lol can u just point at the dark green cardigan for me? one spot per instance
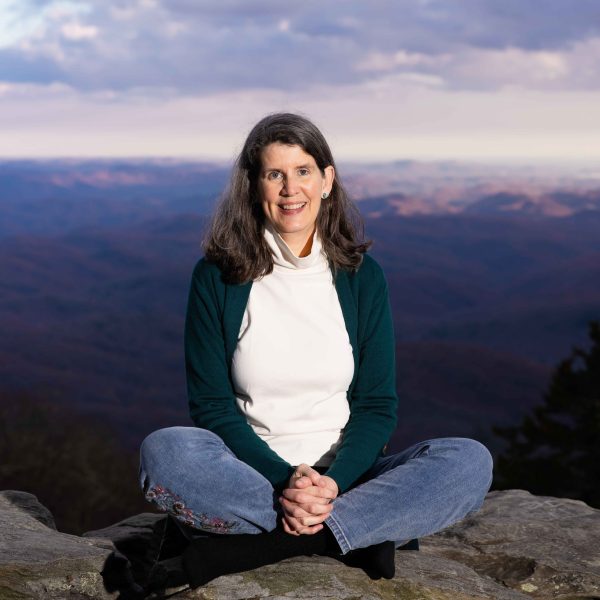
(214, 317)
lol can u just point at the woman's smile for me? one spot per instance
(290, 187)
(292, 209)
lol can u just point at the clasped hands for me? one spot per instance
(307, 501)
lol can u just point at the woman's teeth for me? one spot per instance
(292, 206)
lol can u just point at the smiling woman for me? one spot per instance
(291, 187)
(291, 384)
(285, 161)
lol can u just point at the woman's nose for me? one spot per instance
(290, 186)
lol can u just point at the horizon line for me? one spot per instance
(498, 160)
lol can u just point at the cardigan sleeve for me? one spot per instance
(211, 397)
(373, 399)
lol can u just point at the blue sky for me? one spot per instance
(465, 79)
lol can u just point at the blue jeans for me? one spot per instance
(191, 474)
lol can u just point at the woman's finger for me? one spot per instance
(296, 526)
(287, 528)
(296, 515)
(309, 495)
(315, 490)
(292, 509)
(328, 482)
(305, 510)
(306, 470)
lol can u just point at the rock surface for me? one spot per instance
(517, 546)
(547, 547)
(36, 561)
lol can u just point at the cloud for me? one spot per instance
(20, 67)
(380, 61)
(77, 31)
(575, 67)
(198, 47)
(404, 78)
(385, 119)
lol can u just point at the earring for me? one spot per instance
(324, 195)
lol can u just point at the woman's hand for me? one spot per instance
(307, 501)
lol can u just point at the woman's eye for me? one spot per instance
(303, 171)
(274, 175)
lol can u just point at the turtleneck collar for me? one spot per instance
(283, 255)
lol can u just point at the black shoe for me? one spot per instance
(166, 574)
(151, 566)
(173, 541)
(410, 545)
(117, 577)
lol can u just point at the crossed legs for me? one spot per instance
(190, 473)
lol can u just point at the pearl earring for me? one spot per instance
(324, 195)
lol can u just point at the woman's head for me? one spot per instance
(289, 163)
(290, 188)
(285, 174)
(284, 128)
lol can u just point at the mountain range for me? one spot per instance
(488, 292)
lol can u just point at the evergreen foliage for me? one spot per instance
(73, 463)
(556, 450)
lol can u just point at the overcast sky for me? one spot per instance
(425, 79)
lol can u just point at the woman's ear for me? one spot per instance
(329, 177)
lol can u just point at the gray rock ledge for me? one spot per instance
(517, 546)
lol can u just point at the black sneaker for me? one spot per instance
(410, 545)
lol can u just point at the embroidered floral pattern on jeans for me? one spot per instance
(169, 502)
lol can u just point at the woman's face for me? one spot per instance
(290, 185)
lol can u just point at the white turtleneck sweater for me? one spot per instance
(293, 362)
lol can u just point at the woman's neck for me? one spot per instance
(300, 246)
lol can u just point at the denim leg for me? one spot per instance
(191, 474)
(414, 493)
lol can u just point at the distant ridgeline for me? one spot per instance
(493, 278)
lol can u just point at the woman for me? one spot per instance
(291, 383)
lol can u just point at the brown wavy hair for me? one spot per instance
(235, 239)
